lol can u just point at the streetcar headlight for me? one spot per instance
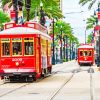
(17, 63)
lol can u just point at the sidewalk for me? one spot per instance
(64, 63)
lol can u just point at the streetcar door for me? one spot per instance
(38, 57)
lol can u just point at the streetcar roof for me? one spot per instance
(86, 46)
(22, 30)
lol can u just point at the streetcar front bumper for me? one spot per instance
(17, 72)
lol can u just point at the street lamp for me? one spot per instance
(42, 15)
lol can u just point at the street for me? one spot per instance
(67, 82)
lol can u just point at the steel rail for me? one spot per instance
(58, 90)
(12, 90)
(92, 92)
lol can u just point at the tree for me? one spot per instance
(28, 6)
(90, 38)
(91, 2)
(91, 22)
(3, 18)
(66, 29)
(50, 8)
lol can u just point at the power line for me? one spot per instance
(74, 12)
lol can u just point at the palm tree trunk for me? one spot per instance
(28, 6)
(15, 4)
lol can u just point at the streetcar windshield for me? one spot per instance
(17, 46)
(85, 53)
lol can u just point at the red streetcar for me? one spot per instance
(85, 55)
(25, 51)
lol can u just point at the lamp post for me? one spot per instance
(53, 49)
(42, 14)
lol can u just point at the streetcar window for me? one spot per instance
(17, 46)
(81, 53)
(85, 53)
(43, 47)
(28, 46)
(89, 53)
(5, 46)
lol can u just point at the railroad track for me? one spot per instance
(22, 85)
(11, 87)
(89, 70)
(92, 92)
(58, 90)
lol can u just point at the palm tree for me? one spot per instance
(91, 22)
(49, 6)
(66, 34)
(89, 38)
(91, 2)
(3, 18)
(28, 6)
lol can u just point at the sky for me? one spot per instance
(77, 20)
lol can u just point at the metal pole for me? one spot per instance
(53, 49)
(42, 15)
